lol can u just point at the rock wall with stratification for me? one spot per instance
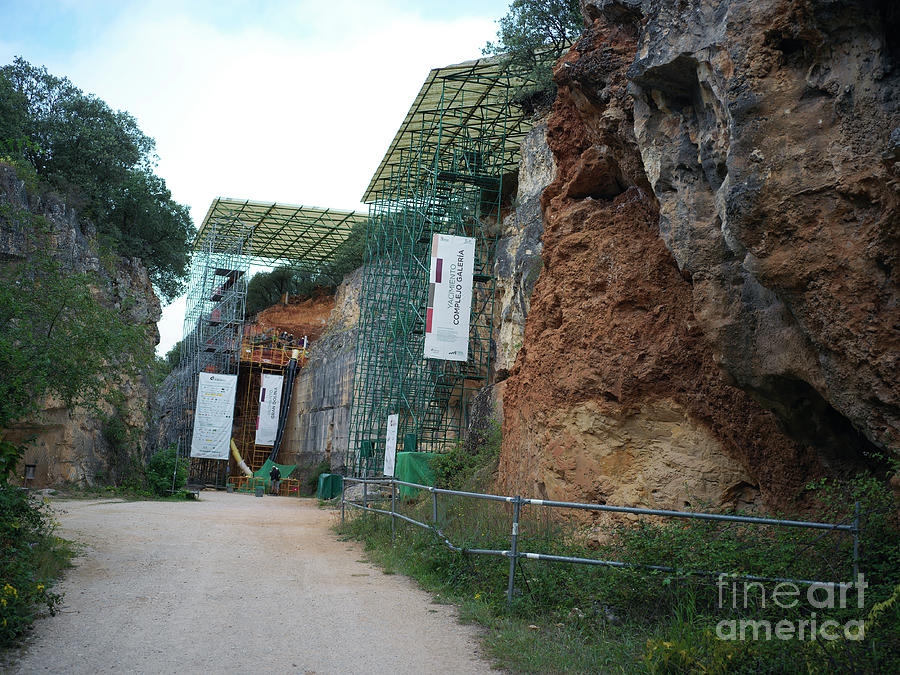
(716, 317)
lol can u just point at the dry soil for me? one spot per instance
(235, 583)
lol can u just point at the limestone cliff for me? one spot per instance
(319, 424)
(716, 319)
(69, 445)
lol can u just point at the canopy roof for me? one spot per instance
(280, 231)
(473, 91)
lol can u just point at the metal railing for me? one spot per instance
(514, 554)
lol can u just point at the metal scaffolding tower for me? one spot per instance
(235, 235)
(213, 326)
(443, 173)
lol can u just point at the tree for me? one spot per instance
(267, 288)
(102, 163)
(534, 33)
(57, 339)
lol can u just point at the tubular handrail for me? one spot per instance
(514, 554)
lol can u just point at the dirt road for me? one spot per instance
(235, 583)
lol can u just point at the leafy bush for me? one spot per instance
(31, 557)
(470, 465)
(160, 469)
(312, 483)
(57, 339)
(267, 288)
(534, 33)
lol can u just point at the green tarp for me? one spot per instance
(414, 467)
(263, 472)
(330, 485)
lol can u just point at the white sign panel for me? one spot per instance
(390, 449)
(449, 298)
(214, 415)
(269, 407)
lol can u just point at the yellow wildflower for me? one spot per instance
(40, 587)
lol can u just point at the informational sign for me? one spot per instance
(269, 407)
(214, 416)
(449, 298)
(390, 448)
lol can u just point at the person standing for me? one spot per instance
(275, 479)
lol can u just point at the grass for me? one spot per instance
(574, 618)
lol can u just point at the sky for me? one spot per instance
(272, 100)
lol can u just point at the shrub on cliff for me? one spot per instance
(266, 288)
(57, 339)
(534, 33)
(101, 162)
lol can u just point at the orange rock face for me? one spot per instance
(615, 395)
(299, 317)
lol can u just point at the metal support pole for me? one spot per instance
(342, 502)
(365, 497)
(175, 469)
(856, 545)
(433, 506)
(513, 551)
(393, 507)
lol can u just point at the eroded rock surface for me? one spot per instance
(518, 262)
(318, 426)
(617, 394)
(769, 131)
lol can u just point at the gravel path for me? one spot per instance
(235, 583)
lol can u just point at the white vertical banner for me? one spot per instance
(390, 448)
(213, 416)
(449, 298)
(269, 407)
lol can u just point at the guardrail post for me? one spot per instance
(434, 506)
(513, 551)
(393, 505)
(856, 545)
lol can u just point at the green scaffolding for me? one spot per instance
(443, 173)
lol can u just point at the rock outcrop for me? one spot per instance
(319, 424)
(763, 128)
(69, 445)
(715, 320)
(518, 261)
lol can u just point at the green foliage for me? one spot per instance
(471, 465)
(57, 339)
(312, 483)
(535, 33)
(31, 557)
(160, 469)
(103, 164)
(173, 356)
(650, 621)
(267, 288)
